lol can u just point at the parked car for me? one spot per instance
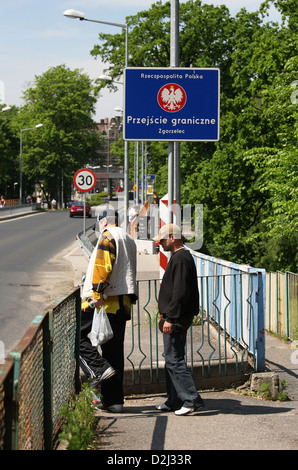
(77, 208)
(119, 189)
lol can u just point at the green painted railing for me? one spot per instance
(39, 375)
(219, 343)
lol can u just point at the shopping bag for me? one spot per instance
(101, 330)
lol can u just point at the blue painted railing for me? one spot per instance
(233, 296)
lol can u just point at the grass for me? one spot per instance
(79, 420)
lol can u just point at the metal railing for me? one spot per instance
(232, 298)
(282, 304)
(221, 343)
(225, 341)
(38, 377)
(235, 295)
(40, 374)
(15, 210)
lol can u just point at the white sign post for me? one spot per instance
(84, 180)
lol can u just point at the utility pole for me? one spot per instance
(174, 147)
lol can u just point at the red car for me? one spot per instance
(119, 189)
(77, 208)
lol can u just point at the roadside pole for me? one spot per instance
(84, 222)
(84, 180)
(173, 147)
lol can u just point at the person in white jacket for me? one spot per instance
(111, 282)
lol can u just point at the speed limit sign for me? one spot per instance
(84, 180)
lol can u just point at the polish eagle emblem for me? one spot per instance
(171, 97)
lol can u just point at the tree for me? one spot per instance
(245, 181)
(276, 168)
(63, 101)
(9, 151)
(205, 39)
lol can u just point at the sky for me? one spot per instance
(35, 36)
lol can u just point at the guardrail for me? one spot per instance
(17, 210)
(38, 377)
(87, 240)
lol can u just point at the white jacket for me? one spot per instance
(123, 277)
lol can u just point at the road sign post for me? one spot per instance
(84, 180)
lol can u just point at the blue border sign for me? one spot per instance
(171, 104)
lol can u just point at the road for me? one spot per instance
(33, 272)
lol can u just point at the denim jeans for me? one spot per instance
(181, 389)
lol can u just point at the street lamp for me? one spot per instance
(21, 145)
(6, 108)
(75, 14)
(107, 78)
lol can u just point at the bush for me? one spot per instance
(80, 422)
(97, 199)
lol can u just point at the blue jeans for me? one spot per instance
(181, 389)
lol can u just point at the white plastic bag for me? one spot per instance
(101, 330)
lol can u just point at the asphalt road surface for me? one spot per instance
(33, 271)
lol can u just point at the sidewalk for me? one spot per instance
(230, 420)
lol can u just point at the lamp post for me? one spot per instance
(75, 14)
(107, 78)
(21, 145)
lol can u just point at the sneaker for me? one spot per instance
(199, 405)
(109, 372)
(110, 408)
(184, 411)
(163, 407)
(114, 408)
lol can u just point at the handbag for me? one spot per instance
(101, 330)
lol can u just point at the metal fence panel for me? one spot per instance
(282, 304)
(223, 336)
(64, 327)
(6, 410)
(28, 392)
(292, 304)
(43, 372)
(234, 296)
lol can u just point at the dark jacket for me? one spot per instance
(179, 295)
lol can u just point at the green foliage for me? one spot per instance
(265, 391)
(247, 182)
(80, 423)
(9, 151)
(97, 199)
(282, 395)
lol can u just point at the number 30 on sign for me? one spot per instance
(84, 180)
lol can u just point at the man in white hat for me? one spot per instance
(178, 303)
